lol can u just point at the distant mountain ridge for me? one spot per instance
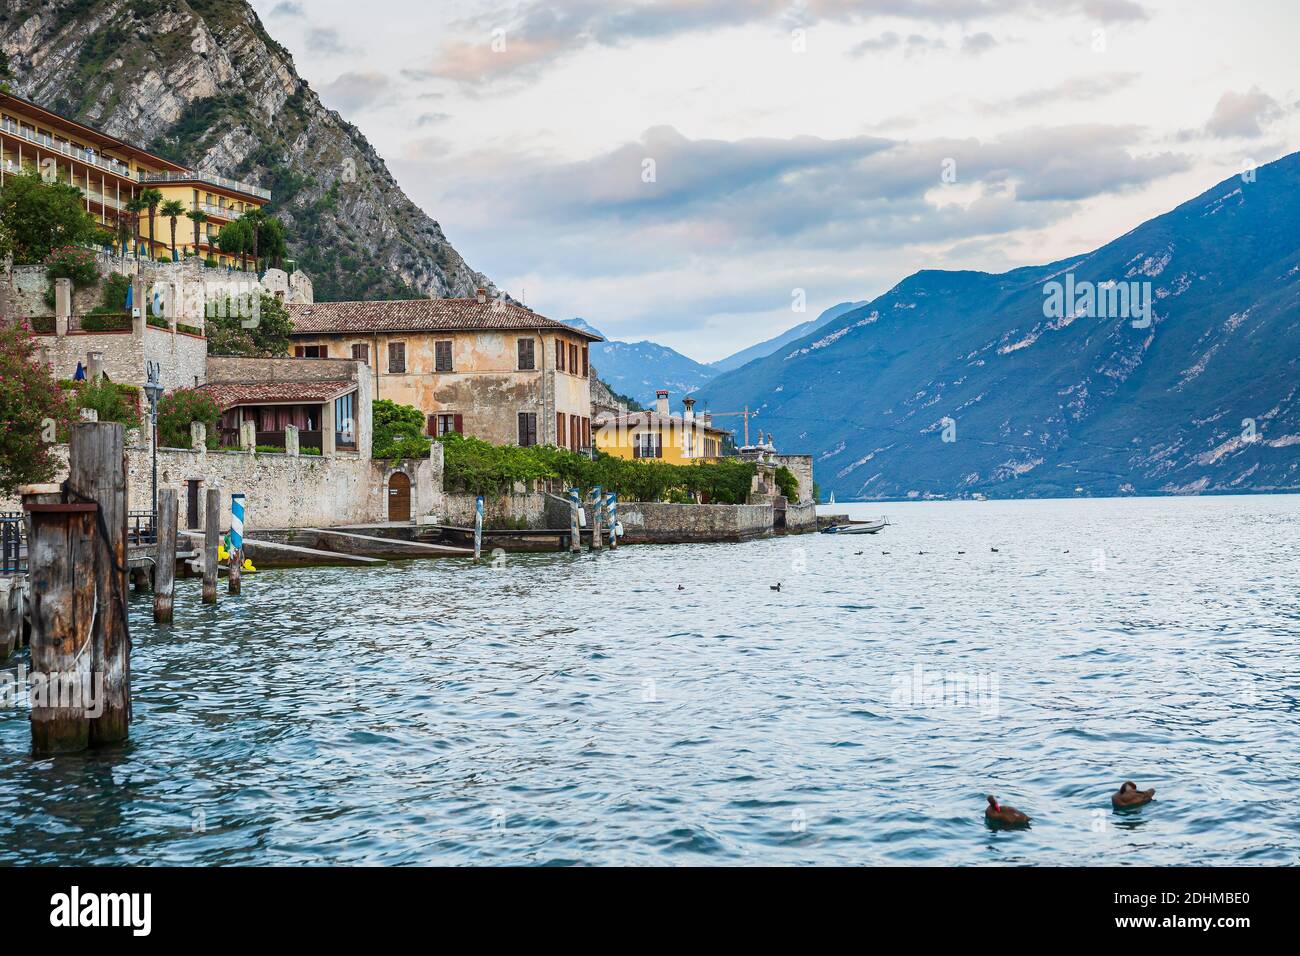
(763, 349)
(203, 83)
(639, 369)
(956, 383)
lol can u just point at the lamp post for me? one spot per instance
(154, 389)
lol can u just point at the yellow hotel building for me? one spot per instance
(660, 435)
(110, 172)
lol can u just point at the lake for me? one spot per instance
(663, 705)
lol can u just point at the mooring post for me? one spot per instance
(597, 506)
(611, 510)
(478, 527)
(234, 576)
(97, 473)
(60, 553)
(575, 527)
(164, 559)
(211, 538)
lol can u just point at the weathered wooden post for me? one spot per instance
(478, 527)
(61, 546)
(234, 577)
(575, 528)
(211, 538)
(611, 509)
(97, 473)
(597, 506)
(164, 573)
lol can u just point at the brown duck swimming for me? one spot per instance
(1130, 796)
(1004, 816)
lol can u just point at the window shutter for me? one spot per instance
(585, 366)
(297, 351)
(432, 427)
(559, 355)
(459, 423)
(586, 433)
(559, 429)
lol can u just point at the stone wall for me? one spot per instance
(800, 517)
(181, 356)
(647, 522)
(527, 509)
(802, 467)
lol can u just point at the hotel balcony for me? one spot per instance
(233, 185)
(109, 165)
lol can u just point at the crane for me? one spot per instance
(746, 414)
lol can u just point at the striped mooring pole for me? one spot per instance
(575, 521)
(478, 527)
(238, 510)
(611, 508)
(597, 506)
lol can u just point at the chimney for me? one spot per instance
(482, 296)
(689, 405)
(661, 402)
(708, 419)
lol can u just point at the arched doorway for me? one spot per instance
(399, 497)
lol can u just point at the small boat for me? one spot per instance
(858, 527)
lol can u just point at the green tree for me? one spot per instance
(198, 217)
(271, 241)
(136, 207)
(788, 483)
(173, 209)
(178, 409)
(235, 240)
(40, 216)
(268, 338)
(111, 401)
(398, 431)
(33, 411)
(152, 200)
(253, 221)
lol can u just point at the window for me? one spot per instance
(559, 355)
(526, 358)
(647, 445)
(345, 426)
(361, 352)
(527, 429)
(575, 432)
(442, 356)
(573, 359)
(559, 429)
(396, 357)
(312, 351)
(445, 423)
(584, 362)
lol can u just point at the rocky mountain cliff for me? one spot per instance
(956, 383)
(763, 349)
(203, 83)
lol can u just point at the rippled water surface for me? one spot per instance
(663, 705)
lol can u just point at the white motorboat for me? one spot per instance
(871, 526)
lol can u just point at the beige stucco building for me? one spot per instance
(481, 367)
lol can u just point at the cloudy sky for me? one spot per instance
(679, 170)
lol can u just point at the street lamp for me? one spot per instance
(153, 388)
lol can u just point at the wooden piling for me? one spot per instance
(211, 538)
(234, 579)
(575, 529)
(61, 544)
(164, 577)
(97, 473)
(597, 506)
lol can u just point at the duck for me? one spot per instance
(858, 553)
(1001, 816)
(994, 550)
(248, 565)
(775, 587)
(1130, 796)
(681, 587)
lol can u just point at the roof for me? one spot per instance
(101, 139)
(233, 394)
(650, 420)
(422, 315)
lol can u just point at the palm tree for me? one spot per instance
(152, 199)
(198, 217)
(124, 232)
(253, 221)
(135, 206)
(173, 209)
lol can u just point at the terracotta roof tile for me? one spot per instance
(650, 420)
(231, 394)
(421, 315)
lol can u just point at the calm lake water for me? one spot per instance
(587, 710)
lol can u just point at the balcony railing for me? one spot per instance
(109, 165)
(221, 181)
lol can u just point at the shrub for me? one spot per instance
(42, 324)
(111, 401)
(33, 409)
(788, 483)
(105, 322)
(398, 431)
(191, 329)
(179, 409)
(157, 322)
(72, 262)
(309, 451)
(113, 297)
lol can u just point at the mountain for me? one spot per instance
(639, 369)
(745, 356)
(202, 83)
(954, 383)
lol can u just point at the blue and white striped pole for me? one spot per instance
(238, 511)
(478, 527)
(611, 507)
(597, 506)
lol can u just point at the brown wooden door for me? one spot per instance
(192, 505)
(399, 497)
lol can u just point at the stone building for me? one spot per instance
(487, 368)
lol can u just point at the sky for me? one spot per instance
(709, 173)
